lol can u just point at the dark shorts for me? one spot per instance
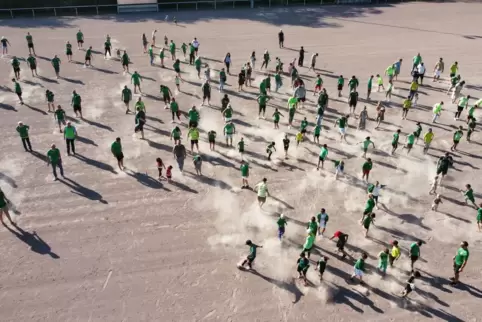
(394, 145)
(308, 249)
(262, 108)
(321, 158)
(408, 288)
(316, 135)
(212, 140)
(80, 41)
(178, 70)
(19, 94)
(61, 122)
(139, 127)
(87, 58)
(32, 67)
(303, 131)
(352, 103)
(77, 108)
(409, 145)
(456, 141)
(281, 230)
(366, 212)
(68, 52)
(126, 102)
(286, 147)
(261, 199)
(194, 141)
(413, 258)
(442, 171)
(340, 87)
(457, 268)
(166, 98)
(460, 108)
(340, 245)
(57, 69)
(120, 156)
(207, 95)
(302, 270)
(452, 75)
(125, 65)
(196, 49)
(30, 45)
(365, 171)
(16, 69)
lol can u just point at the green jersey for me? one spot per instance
(29, 39)
(341, 122)
(241, 146)
(310, 240)
(318, 82)
(174, 107)
(229, 129)
(211, 135)
(107, 45)
(458, 135)
(228, 112)
(184, 48)
(414, 249)
(76, 99)
(276, 117)
(125, 59)
(60, 114)
(56, 62)
(176, 134)
(88, 53)
(18, 89)
(469, 194)
(136, 79)
(197, 63)
(54, 156)
(360, 264)
(369, 205)
(126, 95)
(116, 148)
(411, 138)
(304, 125)
(461, 257)
(317, 130)
(341, 81)
(32, 62)
(50, 96)
(323, 153)
(383, 257)
(370, 82)
(23, 131)
(367, 166)
(172, 48)
(252, 251)
(80, 36)
(367, 221)
(396, 136)
(193, 115)
(262, 99)
(303, 263)
(244, 170)
(418, 131)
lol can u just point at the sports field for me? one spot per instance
(106, 245)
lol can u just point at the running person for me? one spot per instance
(252, 255)
(126, 97)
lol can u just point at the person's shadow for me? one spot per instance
(37, 244)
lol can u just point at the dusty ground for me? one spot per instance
(113, 246)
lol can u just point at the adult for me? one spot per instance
(55, 160)
(301, 57)
(281, 39)
(180, 154)
(262, 190)
(22, 130)
(70, 134)
(443, 165)
(116, 149)
(4, 207)
(460, 261)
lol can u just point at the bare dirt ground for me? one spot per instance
(120, 246)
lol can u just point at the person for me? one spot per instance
(322, 218)
(160, 165)
(276, 118)
(153, 38)
(313, 62)
(312, 226)
(479, 217)
(322, 157)
(278, 81)
(352, 101)
(56, 64)
(436, 202)
(281, 226)
(55, 160)
(16, 67)
(266, 60)
(107, 47)
(162, 55)
(224, 103)
(166, 95)
(241, 148)
(23, 130)
(212, 140)
(4, 202)
(252, 255)
(140, 119)
(227, 62)
(394, 253)
(380, 114)
(18, 90)
(457, 91)
(367, 221)
(410, 142)
(398, 66)
(281, 38)
(302, 268)
(197, 161)
(59, 115)
(140, 105)
(396, 137)
(229, 130)
(116, 150)
(470, 127)
(342, 125)
(380, 83)
(414, 253)
(5, 44)
(80, 39)
(309, 243)
(409, 286)
(460, 261)
(438, 69)
(176, 135)
(427, 140)
(179, 152)
(383, 260)
(241, 80)
(172, 50)
(340, 83)
(463, 103)
(362, 118)
(88, 57)
(421, 72)
(262, 191)
(68, 51)
(286, 145)
(126, 97)
(125, 61)
(298, 138)
(458, 134)
(196, 44)
(417, 132)
(454, 68)
(270, 148)
(454, 80)
(369, 87)
(262, 101)
(32, 63)
(222, 80)
(292, 104)
(470, 113)
(76, 103)
(206, 88)
(390, 72)
(366, 168)
(359, 268)
(169, 174)
(339, 167)
(433, 186)
(443, 164)
(70, 134)
(301, 56)
(193, 134)
(244, 168)
(468, 193)
(374, 189)
(144, 42)
(136, 79)
(369, 205)
(366, 145)
(340, 244)
(303, 126)
(417, 59)
(321, 266)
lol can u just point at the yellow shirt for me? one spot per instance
(299, 136)
(414, 86)
(428, 137)
(395, 252)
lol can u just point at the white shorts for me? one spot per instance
(323, 224)
(227, 119)
(229, 136)
(244, 177)
(342, 130)
(358, 273)
(437, 73)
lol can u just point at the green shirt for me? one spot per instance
(60, 114)
(176, 134)
(172, 47)
(126, 94)
(418, 131)
(281, 222)
(319, 81)
(367, 221)
(383, 257)
(369, 205)
(458, 135)
(29, 39)
(461, 256)
(193, 115)
(463, 101)
(304, 124)
(360, 264)
(341, 81)
(18, 89)
(390, 70)
(262, 99)
(229, 128)
(54, 155)
(407, 103)
(310, 239)
(228, 112)
(262, 190)
(241, 146)
(76, 99)
(341, 122)
(88, 53)
(165, 90)
(32, 61)
(292, 101)
(414, 249)
(174, 107)
(245, 171)
(411, 138)
(3, 201)
(108, 45)
(136, 78)
(469, 194)
(197, 63)
(80, 36)
(367, 165)
(317, 130)
(396, 136)
(116, 148)
(370, 81)
(303, 263)
(184, 47)
(276, 116)
(23, 131)
(212, 135)
(367, 143)
(125, 59)
(323, 153)
(176, 65)
(193, 134)
(56, 62)
(313, 227)
(50, 96)
(68, 48)
(252, 251)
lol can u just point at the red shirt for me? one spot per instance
(337, 234)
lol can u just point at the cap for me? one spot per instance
(337, 233)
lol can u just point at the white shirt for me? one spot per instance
(421, 69)
(195, 43)
(313, 58)
(154, 34)
(376, 191)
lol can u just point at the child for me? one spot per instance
(469, 195)
(281, 226)
(318, 84)
(383, 260)
(303, 265)
(434, 185)
(118, 53)
(367, 221)
(479, 217)
(340, 244)
(316, 134)
(309, 243)
(212, 139)
(160, 165)
(388, 94)
(322, 221)
(276, 117)
(241, 147)
(321, 266)
(178, 81)
(286, 145)
(410, 286)
(169, 174)
(380, 82)
(269, 149)
(339, 167)
(394, 254)
(299, 138)
(359, 268)
(197, 161)
(252, 254)
(415, 99)
(436, 202)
